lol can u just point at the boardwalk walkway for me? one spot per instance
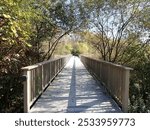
(75, 91)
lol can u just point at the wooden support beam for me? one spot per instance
(125, 90)
(27, 86)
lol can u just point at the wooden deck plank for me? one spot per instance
(75, 91)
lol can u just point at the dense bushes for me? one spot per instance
(11, 94)
(140, 88)
(11, 87)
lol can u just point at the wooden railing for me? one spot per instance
(38, 77)
(114, 77)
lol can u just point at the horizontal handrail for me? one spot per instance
(30, 67)
(113, 76)
(38, 78)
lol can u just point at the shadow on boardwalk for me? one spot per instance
(74, 91)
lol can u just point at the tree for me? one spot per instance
(57, 20)
(120, 33)
(15, 30)
(24, 26)
(115, 28)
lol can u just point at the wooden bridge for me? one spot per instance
(65, 85)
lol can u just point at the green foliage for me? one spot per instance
(15, 22)
(117, 32)
(140, 77)
(15, 30)
(83, 47)
(120, 34)
(75, 52)
(63, 49)
(140, 88)
(11, 94)
(24, 26)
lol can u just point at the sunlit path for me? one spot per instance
(75, 90)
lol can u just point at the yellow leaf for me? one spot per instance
(4, 39)
(29, 45)
(14, 31)
(6, 16)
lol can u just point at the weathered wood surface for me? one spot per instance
(114, 77)
(75, 91)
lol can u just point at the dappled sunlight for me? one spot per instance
(74, 90)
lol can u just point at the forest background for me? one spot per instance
(33, 31)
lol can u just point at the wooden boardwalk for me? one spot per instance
(75, 91)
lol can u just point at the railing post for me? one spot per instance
(115, 77)
(44, 74)
(125, 90)
(27, 86)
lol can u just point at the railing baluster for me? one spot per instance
(38, 78)
(114, 77)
